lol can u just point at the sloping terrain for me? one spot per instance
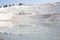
(30, 22)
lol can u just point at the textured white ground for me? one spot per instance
(30, 22)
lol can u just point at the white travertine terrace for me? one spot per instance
(25, 18)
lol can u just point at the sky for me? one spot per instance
(4, 2)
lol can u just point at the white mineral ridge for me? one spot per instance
(28, 19)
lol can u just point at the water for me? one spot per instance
(41, 33)
(40, 27)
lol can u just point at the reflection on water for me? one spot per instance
(42, 33)
(45, 29)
